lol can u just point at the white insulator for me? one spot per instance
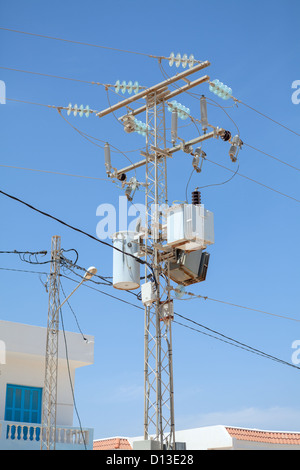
(178, 60)
(172, 58)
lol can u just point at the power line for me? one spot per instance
(211, 161)
(53, 172)
(254, 181)
(89, 137)
(32, 102)
(192, 295)
(82, 43)
(106, 293)
(107, 86)
(197, 96)
(192, 94)
(204, 297)
(267, 117)
(23, 271)
(224, 338)
(76, 229)
(271, 156)
(16, 252)
(56, 76)
(236, 343)
(69, 305)
(70, 379)
(65, 264)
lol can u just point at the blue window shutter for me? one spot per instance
(23, 404)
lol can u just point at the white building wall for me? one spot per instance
(25, 347)
(208, 437)
(65, 404)
(218, 438)
(20, 370)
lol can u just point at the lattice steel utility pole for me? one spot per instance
(159, 422)
(158, 363)
(48, 428)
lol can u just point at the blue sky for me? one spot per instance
(255, 259)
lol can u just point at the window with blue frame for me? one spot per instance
(23, 404)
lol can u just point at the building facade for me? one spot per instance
(214, 438)
(22, 372)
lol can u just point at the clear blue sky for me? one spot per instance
(254, 48)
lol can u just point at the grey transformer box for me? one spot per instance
(189, 268)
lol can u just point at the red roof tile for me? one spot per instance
(271, 437)
(113, 443)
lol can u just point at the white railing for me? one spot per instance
(31, 433)
(22, 432)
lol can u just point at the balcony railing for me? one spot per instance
(14, 435)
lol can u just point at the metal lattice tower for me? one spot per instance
(158, 378)
(158, 362)
(48, 428)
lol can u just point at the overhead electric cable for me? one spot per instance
(271, 156)
(238, 343)
(70, 379)
(56, 76)
(71, 309)
(81, 43)
(53, 172)
(192, 295)
(231, 304)
(76, 229)
(210, 101)
(232, 171)
(106, 293)
(223, 338)
(16, 252)
(253, 180)
(23, 271)
(267, 117)
(88, 137)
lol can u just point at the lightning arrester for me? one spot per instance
(107, 158)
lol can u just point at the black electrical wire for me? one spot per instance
(69, 305)
(24, 252)
(235, 343)
(70, 379)
(223, 182)
(212, 333)
(79, 231)
(23, 271)
(104, 293)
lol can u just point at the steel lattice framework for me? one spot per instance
(48, 428)
(158, 361)
(158, 386)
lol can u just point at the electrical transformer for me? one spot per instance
(190, 227)
(189, 268)
(126, 268)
